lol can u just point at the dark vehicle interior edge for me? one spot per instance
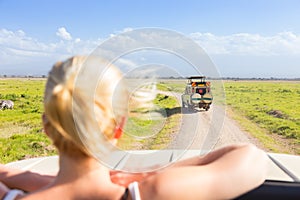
(274, 190)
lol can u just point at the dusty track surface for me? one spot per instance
(209, 130)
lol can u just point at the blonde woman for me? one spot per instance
(222, 174)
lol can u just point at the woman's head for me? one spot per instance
(84, 98)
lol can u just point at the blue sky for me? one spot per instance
(257, 38)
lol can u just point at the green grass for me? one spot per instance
(21, 134)
(144, 132)
(23, 146)
(27, 96)
(273, 106)
(172, 85)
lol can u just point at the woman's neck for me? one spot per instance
(88, 172)
(78, 166)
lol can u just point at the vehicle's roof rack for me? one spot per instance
(197, 79)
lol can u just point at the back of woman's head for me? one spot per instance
(84, 100)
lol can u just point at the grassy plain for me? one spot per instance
(273, 106)
(21, 133)
(154, 128)
(270, 111)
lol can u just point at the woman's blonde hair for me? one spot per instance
(85, 99)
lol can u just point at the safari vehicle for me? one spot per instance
(197, 93)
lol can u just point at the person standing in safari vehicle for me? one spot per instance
(222, 174)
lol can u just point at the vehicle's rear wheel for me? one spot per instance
(207, 107)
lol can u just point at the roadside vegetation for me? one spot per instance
(154, 128)
(270, 111)
(176, 86)
(21, 134)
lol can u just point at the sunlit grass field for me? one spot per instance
(21, 133)
(153, 129)
(272, 107)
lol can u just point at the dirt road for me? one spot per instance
(209, 130)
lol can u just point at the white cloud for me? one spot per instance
(16, 47)
(124, 30)
(284, 43)
(19, 51)
(63, 34)
(77, 40)
(127, 29)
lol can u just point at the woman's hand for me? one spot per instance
(125, 178)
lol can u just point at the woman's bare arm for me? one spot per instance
(207, 158)
(230, 175)
(24, 180)
(124, 179)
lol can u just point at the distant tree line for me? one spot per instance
(237, 78)
(23, 76)
(171, 77)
